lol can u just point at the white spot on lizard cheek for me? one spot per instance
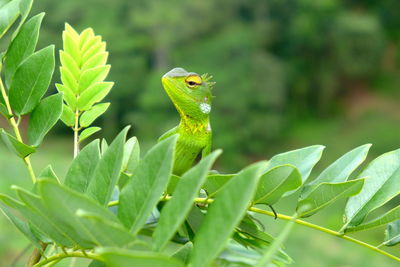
(205, 108)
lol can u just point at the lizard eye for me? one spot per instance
(193, 81)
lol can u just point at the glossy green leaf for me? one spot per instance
(340, 170)
(304, 159)
(175, 210)
(44, 117)
(107, 172)
(69, 96)
(392, 234)
(327, 193)
(63, 204)
(8, 14)
(82, 168)
(215, 182)
(117, 257)
(22, 46)
(276, 182)
(95, 93)
(143, 191)
(31, 80)
(90, 115)
(88, 132)
(13, 144)
(382, 183)
(92, 76)
(67, 116)
(390, 216)
(224, 214)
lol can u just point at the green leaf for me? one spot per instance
(88, 132)
(20, 225)
(175, 210)
(71, 43)
(63, 205)
(183, 252)
(34, 210)
(49, 173)
(390, 216)
(96, 60)
(107, 233)
(117, 257)
(304, 159)
(215, 182)
(4, 111)
(22, 46)
(224, 214)
(143, 191)
(69, 63)
(44, 117)
(381, 185)
(68, 116)
(13, 144)
(68, 80)
(107, 171)
(82, 168)
(327, 193)
(69, 96)
(392, 234)
(90, 115)
(31, 80)
(340, 170)
(92, 76)
(130, 160)
(95, 93)
(8, 14)
(131, 155)
(24, 8)
(275, 182)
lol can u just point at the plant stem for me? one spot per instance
(76, 134)
(325, 230)
(295, 220)
(14, 125)
(60, 256)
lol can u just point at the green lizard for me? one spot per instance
(191, 95)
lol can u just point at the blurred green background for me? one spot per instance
(289, 73)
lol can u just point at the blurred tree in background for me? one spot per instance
(277, 63)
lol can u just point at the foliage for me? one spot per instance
(300, 61)
(198, 219)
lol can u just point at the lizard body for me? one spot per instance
(191, 95)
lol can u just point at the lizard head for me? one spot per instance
(190, 92)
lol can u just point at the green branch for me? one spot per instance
(74, 254)
(15, 128)
(295, 220)
(325, 230)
